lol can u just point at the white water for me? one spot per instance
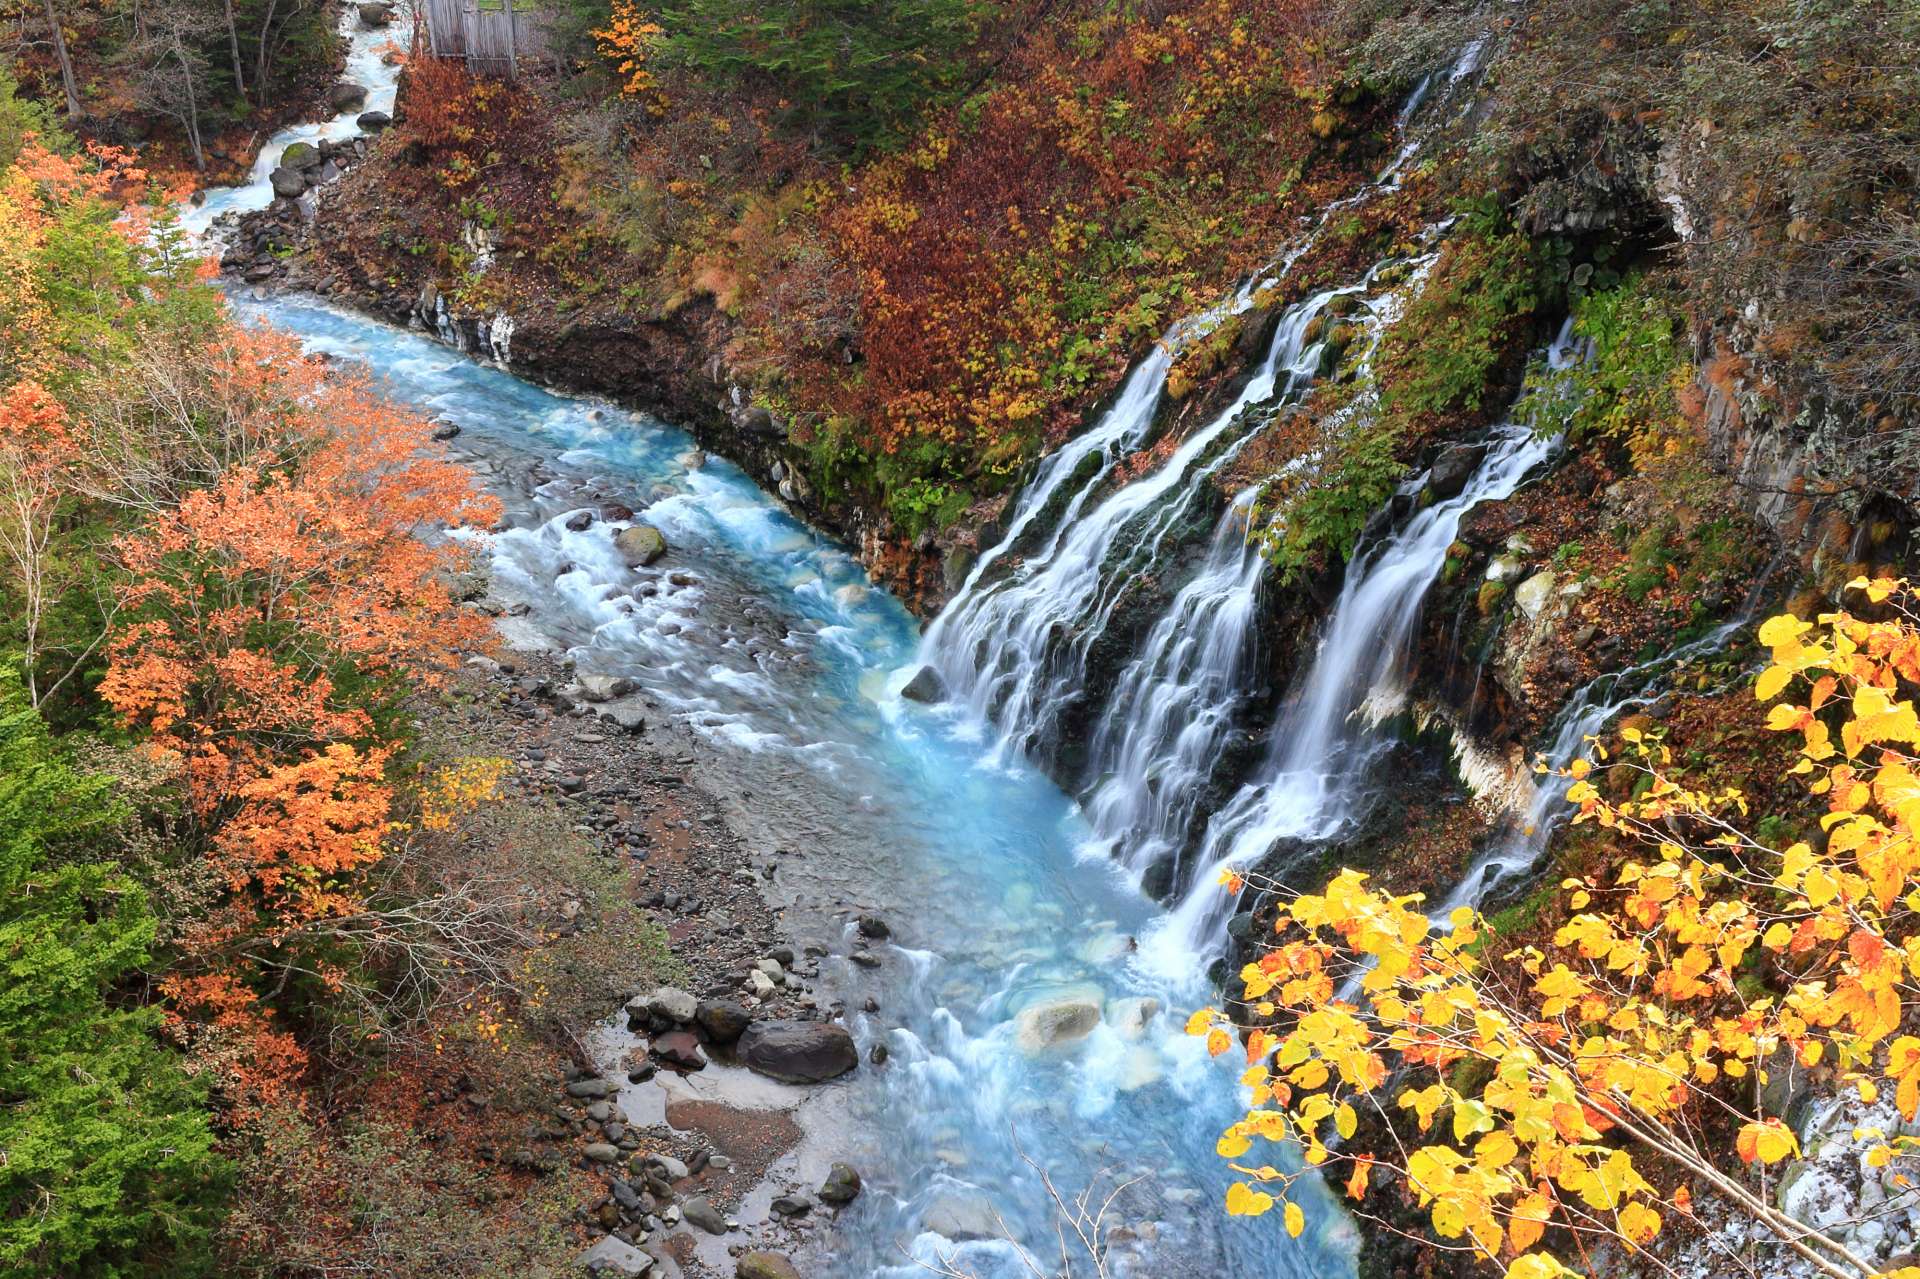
(1588, 711)
(1015, 652)
(367, 66)
(1320, 762)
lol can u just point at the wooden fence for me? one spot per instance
(492, 35)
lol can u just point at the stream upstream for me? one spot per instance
(765, 642)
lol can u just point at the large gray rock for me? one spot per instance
(722, 1019)
(301, 156)
(346, 95)
(961, 1216)
(641, 544)
(673, 1004)
(376, 13)
(1055, 1023)
(611, 1256)
(1454, 468)
(764, 1265)
(373, 121)
(287, 183)
(798, 1052)
(603, 688)
(701, 1212)
(925, 686)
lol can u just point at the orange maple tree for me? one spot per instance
(268, 625)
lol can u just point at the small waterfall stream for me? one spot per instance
(1014, 651)
(1319, 763)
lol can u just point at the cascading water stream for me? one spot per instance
(1321, 751)
(1586, 713)
(1015, 651)
(1160, 736)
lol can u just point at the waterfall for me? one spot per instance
(1591, 709)
(1160, 736)
(1311, 784)
(1014, 651)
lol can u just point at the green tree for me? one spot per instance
(107, 1166)
(852, 71)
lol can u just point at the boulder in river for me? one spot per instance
(376, 13)
(373, 121)
(346, 95)
(760, 1264)
(842, 1185)
(722, 1019)
(678, 1048)
(642, 544)
(1054, 1023)
(673, 1004)
(1130, 1016)
(798, 1052)
(287, 183)
(961, 1217)
(925, 686)
(301, 156)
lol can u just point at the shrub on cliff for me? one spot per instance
(1588, 1086)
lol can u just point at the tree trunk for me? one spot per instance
(67, 81)
(233, 43)
(192, 118)
(260, 55)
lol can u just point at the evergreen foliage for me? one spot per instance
(107, 1165)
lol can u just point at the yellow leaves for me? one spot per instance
(1201, 1022)
(1218, 1042)
(1296, 1220)
(1425, 1103)
(1232, 1144)
(1537, 1265)
(1495, 1150)
(1782, 634)
(1903, 1066)
(1529, 1221)
(1244, 1201)
(1639, 1223)
(1603, 1179)
(1766, 1141)
(1345, 1120)
(1772, 682)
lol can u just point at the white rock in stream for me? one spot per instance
(1129, 1017)
(1056, 1022)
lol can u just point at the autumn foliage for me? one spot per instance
(245, 553)
(1598, 1084)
